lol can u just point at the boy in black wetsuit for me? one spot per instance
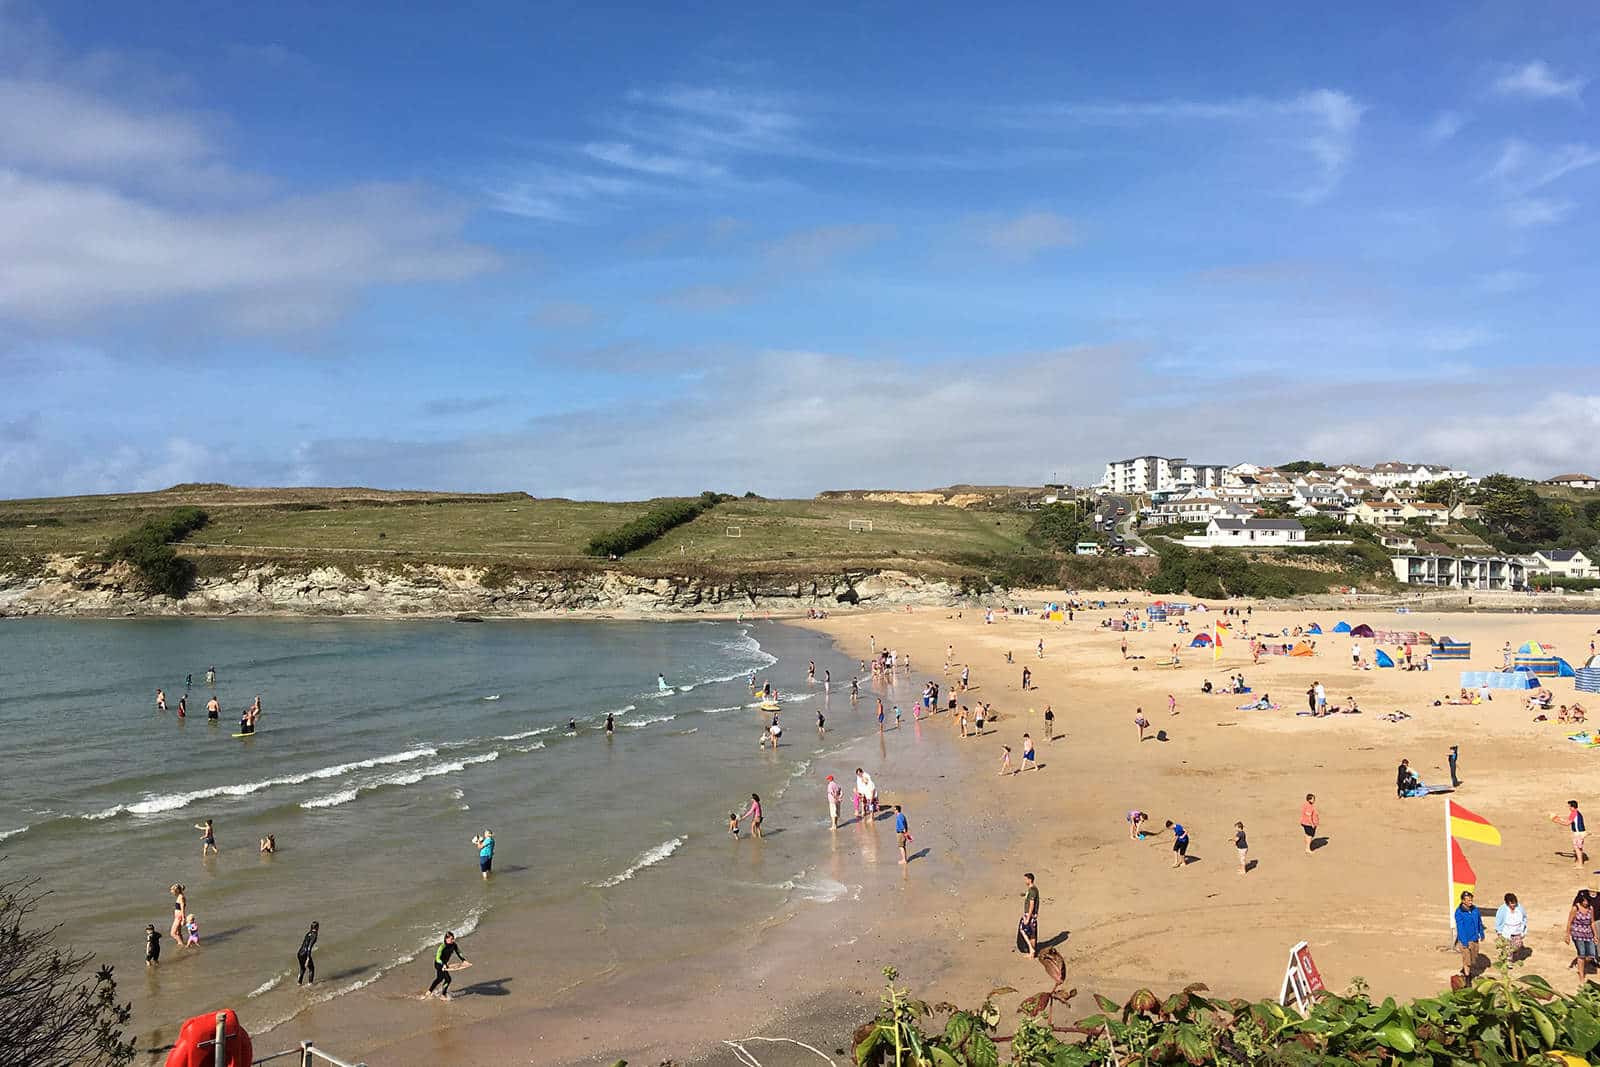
(441, 965)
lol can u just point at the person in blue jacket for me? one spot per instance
(1469, 932)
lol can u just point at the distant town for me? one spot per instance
(1422, 513)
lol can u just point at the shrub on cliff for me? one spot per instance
(652, 525)
(148, 549)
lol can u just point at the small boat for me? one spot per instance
(771, 705)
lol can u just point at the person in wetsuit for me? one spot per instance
(447, 950)
(308, 965)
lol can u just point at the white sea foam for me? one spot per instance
(639, 724)
(532, 746)
(648, 858)
(154, 804)
(719, 711)
(525, 733)
(266, 987)
(496, 696)
(818, 889)
(13, 833)
(433, 770)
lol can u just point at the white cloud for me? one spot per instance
(1446, 125)
(565, 314)
(74, 248)
(1029, 235)
(816, 247)
(1537, 211)
(627, 157)
(1535, 80)
(1322, 123)
(61, 128)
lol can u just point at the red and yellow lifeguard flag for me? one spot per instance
(1466, 826)
(1216, 640)
(1462, 825)
(1463, 879)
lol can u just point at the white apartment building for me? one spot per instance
(1159, 474)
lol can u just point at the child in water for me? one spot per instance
(733, 824)
(152, 945)
(193, 929)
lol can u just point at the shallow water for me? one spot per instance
(383, 749)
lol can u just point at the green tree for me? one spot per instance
(1059, 527)
(53, 1010)
(1302, 466)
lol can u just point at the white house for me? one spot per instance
(1248, 533)
(1432, 514)
(1575, 481)
(1377, 513)
(1566, 562)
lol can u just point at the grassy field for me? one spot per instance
(363, 525)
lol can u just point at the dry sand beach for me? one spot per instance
(1370, 899)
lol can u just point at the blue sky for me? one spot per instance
(621, 251)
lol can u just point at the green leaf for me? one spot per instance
(1193, 1047)
(941, 1058)
(1107, 1004)
(1397, 1036)
(959, 1029)
(1583, 1029)
(1547, 1029)
(867, 1049)
(982, 1052)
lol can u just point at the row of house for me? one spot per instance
(1491, 572)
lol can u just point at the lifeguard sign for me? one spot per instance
(1301, 980)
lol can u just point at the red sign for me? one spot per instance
(1308, 968)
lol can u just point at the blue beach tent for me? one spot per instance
(1341, 628)
(1383, 659)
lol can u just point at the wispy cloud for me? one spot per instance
(661, 165)
(1535, 80)
(1322, 123)
(820, 245)
(1537, 211)
(1446, 125)
(61, 128)
(565, 314)
(706, 297)
(1026, 236)
(1525, 168)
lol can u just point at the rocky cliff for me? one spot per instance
(67, 586)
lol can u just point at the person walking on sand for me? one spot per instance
(1469, 932)
(1172, 704)
(1310, 819)
(1005, 761)
(1141, 722)
(208, 843)
(880, 716)
(308, 964)
(1028, 925)
(902, 832)
(485, 847)
(835, 793)
(1241, 845)
(1311, 697)
(1027, 679)
(1511, 924)
(1355, 654)
(447, 950)
(1124, 648)
(753, 813)
(1580, 933)
(1455, 752)
(1040, 648)
(1049, 724)
(1180, 844)
(1028, 761)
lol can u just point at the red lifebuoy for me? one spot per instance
(194, 1047)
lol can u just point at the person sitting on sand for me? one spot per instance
(1205, 687)
(1577, 713)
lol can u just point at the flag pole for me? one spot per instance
(1449, 870)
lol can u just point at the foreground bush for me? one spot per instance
(148, 548)
(1498, 1019)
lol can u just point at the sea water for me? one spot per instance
(383, 748)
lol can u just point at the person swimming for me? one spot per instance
(572, 726)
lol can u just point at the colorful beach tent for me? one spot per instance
(1315, 629)
(1499, 679)
(1383, 659)
(1565, 670)
(1534, 648)
(1588, 679)
(1546, 666)
(1361, 631)
(1341, 628)
(1303, 649)
(1201, 641)
(1446, 648)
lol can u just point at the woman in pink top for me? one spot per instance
(1310, 820)
(753, 813)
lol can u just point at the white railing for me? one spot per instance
(307, 1055)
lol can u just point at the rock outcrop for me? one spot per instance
(68, 586)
